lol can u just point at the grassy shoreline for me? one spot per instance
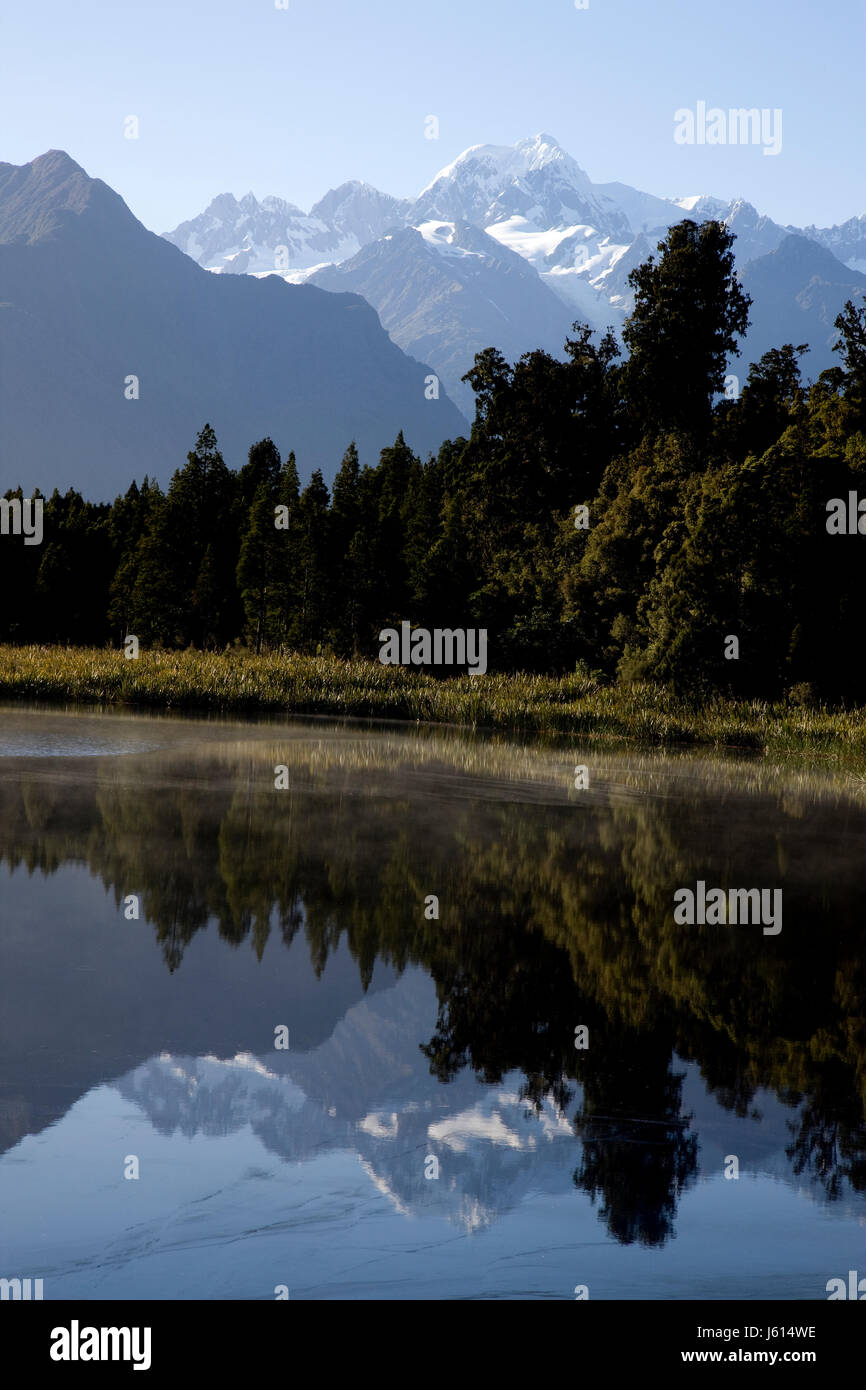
(240, 682)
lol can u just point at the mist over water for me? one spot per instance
(414, 1037)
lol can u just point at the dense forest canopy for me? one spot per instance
(627, 513)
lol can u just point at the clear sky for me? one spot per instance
(239, 96)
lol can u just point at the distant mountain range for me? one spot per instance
(508, 245)
(95, 309)
(447, 290)
(327, 326)
(798, 290)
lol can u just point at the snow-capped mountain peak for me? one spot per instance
(503, 163)
(359, 213)
(542, 150)
(534, 179)
(502, 245)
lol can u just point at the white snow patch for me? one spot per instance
(440, 235)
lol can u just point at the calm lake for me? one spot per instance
(295, 1006)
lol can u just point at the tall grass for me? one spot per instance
(579, 705)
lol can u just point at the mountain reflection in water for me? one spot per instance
(305, 907)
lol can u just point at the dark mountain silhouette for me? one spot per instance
(89, 297)
(452, 293)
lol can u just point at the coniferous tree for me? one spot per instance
(312, 541)
(689, 310)
(385, 500)
(262, 466)
(344, 521)
(132, 517)
(768, 403)
(258, 569)
(185, 589)
(287, 584)
(851, 346)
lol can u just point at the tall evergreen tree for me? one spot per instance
(287, 585)
(689, 309)
(768, 403)
(258, 569)
(345, 520)
(185, 591)
(132, 519)
(262, 466)
(851, 345)
(312, 540)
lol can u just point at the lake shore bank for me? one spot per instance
(580, 705)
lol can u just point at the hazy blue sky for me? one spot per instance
(236, 95)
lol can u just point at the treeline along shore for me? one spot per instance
(645, 540)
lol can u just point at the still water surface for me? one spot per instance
(419, 1044)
